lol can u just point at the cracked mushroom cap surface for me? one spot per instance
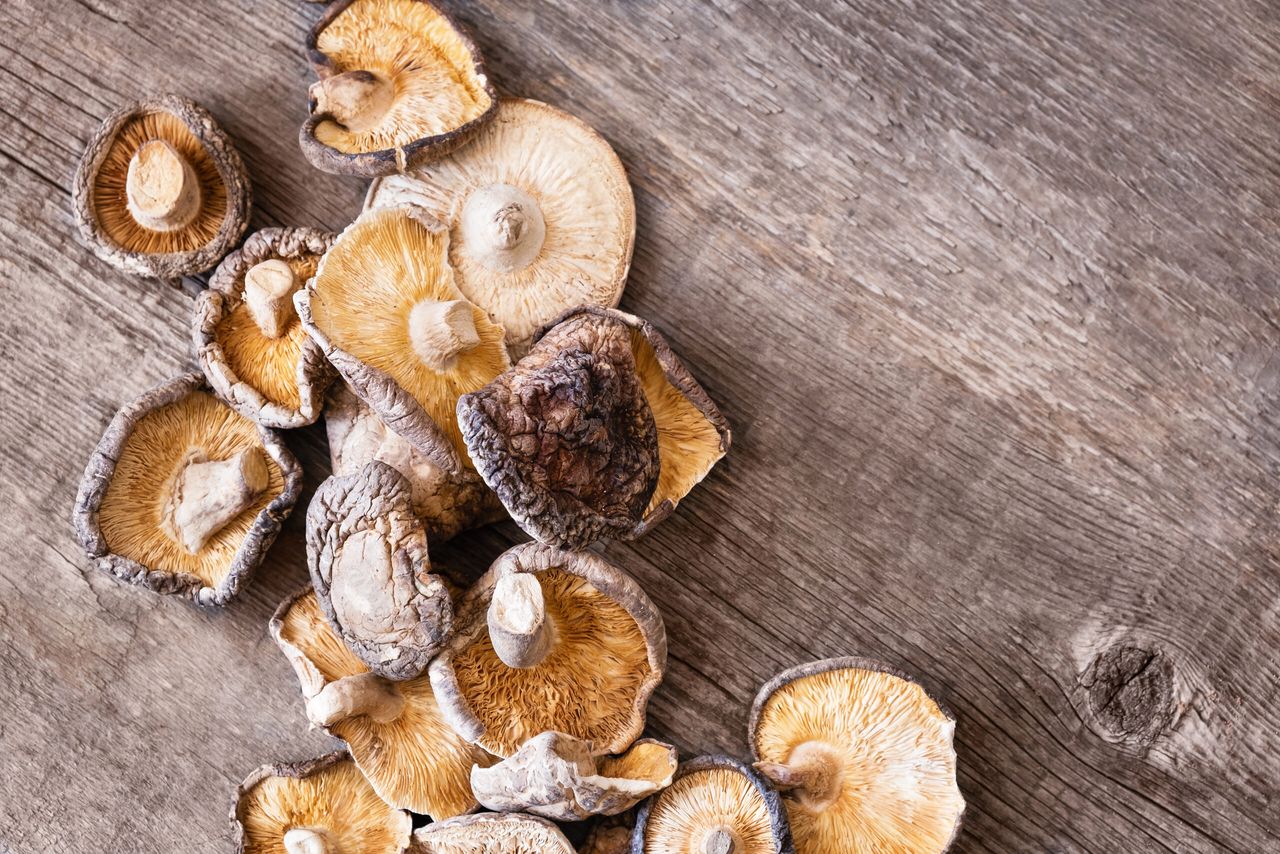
(394, 730)
(715, 805)
(161, 190)
(555, 775)
(323, 806)
(384, 309)
(401, 84)
(183, 495)
(540, 211)
(491, 833)
(551, 640)
(864, 754)
(254, 353)
(599, 431)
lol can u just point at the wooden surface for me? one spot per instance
(987, 289)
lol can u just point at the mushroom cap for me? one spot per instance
(276, 381)
(555, 775)
(99, 196)
(120, 504)
(368, 559)
(446, 504)
(414, 762)
(438, 94)
(328, 796)
(891, 745)
(358, 308)
(710, 794)
(609, 654)
(530, 152)
(491, 833)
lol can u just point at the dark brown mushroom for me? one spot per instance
(491, 833)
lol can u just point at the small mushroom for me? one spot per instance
(160, 190)
(715, 805)
(491, 833)
(394, 730)
(599, 431)
(551, 640)
(610, 835)
(384, 309)
(369, 566)
(541, 215)
(183, 495)
(324, 806)
(253, 351)
(400, 85)
(555, 775)
(864, 755)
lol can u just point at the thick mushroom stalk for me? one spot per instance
(161, 188)
(363, 694)
(268, 292)
(504, 226)
(522, 635)
(812, 774)
(304, 840)
(207, 494)
(441, 330)
(722, 840)
(357, 100)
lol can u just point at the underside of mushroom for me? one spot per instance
(492, 833)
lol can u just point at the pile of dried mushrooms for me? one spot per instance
(462, 342)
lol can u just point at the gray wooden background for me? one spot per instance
(987, 289)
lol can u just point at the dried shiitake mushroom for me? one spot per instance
(715, 805)
(184, 495)
(555, 775)
(324, 806)
(161, 191)
(369, 566)
(541, 215)
(491, 833)
(253, 350)
(551, 640)
(400, 85)
(599, 431)
(394, 730)
(445, 503)
(384, 309)
(864, 755)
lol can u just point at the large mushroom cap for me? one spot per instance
(253, 350)
(400, 84)
(551, 640)
(384, 309)
(865, 755)
(715, 805)
(394, 730)
(541, 214)
(324, 806)
(491, 833)
(183, 495)
(160, 190)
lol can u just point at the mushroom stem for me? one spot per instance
(503, 227)
(363, 694)
(722, 840)
(812, 772)
(440, 330)
(303, 840)
(522, 635)
(161, 189)
(357, 100)
(268, 290)
(208, 494)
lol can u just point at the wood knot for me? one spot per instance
(1130, 693)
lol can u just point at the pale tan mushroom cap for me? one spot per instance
(491, 833)
(685, 817)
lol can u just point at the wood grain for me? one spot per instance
(986, 289)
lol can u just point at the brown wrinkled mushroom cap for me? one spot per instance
(599, 431)
(864, 754)
(491, 833)
(250, 345)
(551, 640)
(178, 468)
(715, 805)
(161, 190)
(394, 730)
(323, 806)
(369, 566)
(384, 309)
(540, 212)
(401, 84)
